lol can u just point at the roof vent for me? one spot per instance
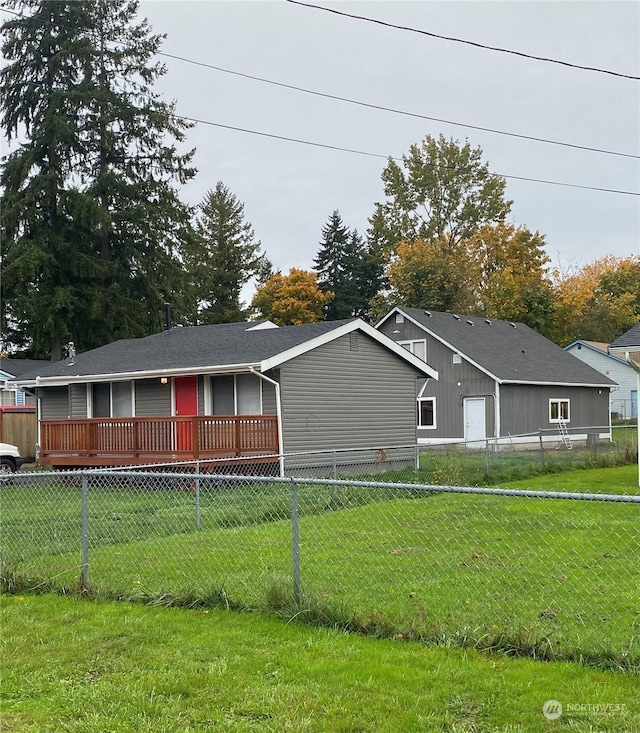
(512, 324)
(470, 323)
(486, 320)
(428, 313)
(456, 317)
(524, 351)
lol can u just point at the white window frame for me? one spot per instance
(558, 401)
(411, 345)
(10, 391)
(208, 395)
(435, 422)
(90, 414)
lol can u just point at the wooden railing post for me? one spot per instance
(195, 437)
(238, 448)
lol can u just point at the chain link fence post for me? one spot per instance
(295, 536)
(84, 571)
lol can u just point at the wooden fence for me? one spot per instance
(19, 426)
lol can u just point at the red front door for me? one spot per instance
(186, 397)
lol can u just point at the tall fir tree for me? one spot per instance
(348, 268)
(93, 228)
(224, 257)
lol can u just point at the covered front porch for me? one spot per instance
(134, 441)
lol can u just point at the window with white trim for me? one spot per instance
(427, 412)
(111, 399)
(417, 348)
(559, 410)
(239, 394)
(8, 396)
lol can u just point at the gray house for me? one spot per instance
(624, 397)
(229, 390)
(499, 382)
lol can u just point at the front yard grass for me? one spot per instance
(82, 666)
(548, 578)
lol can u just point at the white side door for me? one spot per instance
(475, 423)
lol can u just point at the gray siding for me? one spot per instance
(201, 410)
(525, 408)
(54, 403)
(152, 398)
(269, 395)
(78, 400)
(336, 397)
(455, 382)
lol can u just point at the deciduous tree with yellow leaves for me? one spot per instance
(598, 301)
(291, 300)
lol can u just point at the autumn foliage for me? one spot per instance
(290, 300)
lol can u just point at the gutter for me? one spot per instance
(278, 414)
(61, 381)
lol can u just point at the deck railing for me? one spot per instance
(137, 439)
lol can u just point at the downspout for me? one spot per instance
(38, 420)
(496, 406)
(278, 415)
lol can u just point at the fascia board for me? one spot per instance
(597, 351)
(599, 385)
(61, 381)
(484, 370)
(356, 325)
(390, 313)
(625, 349)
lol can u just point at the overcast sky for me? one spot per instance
(290, 189)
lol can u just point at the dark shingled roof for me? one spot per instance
(511, 352)
(18, 367)
(185, 348)
(630, 339)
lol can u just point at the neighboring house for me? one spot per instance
(240, 389)
(624, 398)
(499, 382)
(628, 346)
(10, 395)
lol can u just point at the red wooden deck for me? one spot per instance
(130, 441)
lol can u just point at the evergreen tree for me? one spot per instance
(346, 267)
(225, 257)
(92, 224)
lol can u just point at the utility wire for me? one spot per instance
(370, 105)
(383, 108)
(375, 155)
(461, 40)
(388, 157)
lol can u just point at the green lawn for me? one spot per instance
(557, 579)
(77, 666)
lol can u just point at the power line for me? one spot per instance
(461, 40)
(370, 105)
(393, 110)
(387, 157)
(377, 155)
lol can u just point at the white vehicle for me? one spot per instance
(10, 458)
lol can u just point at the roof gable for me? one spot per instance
(230, 347)
(506, 351)
(629, 341)
(597, 347)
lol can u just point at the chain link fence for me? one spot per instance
(550, 574)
